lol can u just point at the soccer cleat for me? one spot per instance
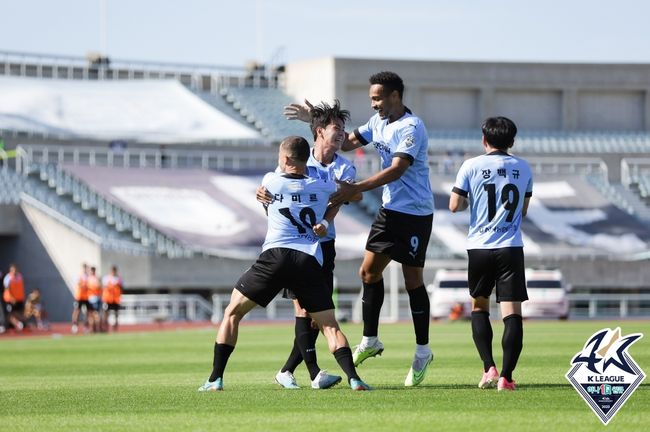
(286, 380)
(358, 385)
(208, 386)
(361, 353)
(505, 385)
(324, 380)
(489, 379)
(74, 329)
(418, 370)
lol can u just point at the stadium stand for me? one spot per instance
(567, 217)
(589, 216)
(548, 142)
(260, 107)
(635, 175)
(155, 111)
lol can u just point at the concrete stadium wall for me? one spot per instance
(10, 219)
(458, 95)
(35, 262)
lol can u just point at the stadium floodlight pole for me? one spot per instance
(259, 30)
(103, 28)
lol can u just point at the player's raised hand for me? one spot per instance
(264, 196)
(300, 112)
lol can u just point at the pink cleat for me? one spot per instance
(489, 379)
(506, 385)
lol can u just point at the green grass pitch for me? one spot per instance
(148, 382)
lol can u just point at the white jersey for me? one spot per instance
(298, 204)
(406, 137)
(497, 184)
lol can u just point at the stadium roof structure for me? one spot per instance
(151, 111)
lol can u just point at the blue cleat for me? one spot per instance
(358, 385)
(208, 386)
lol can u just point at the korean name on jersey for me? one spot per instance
(298, 204)
(339, 169)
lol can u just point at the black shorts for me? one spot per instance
(111, 306)
(95, 305)
(79, 303)
(18, 306)
(503, 267)
(403, 236)
(278, 268)
(329, 253)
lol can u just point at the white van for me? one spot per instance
(448, 289)
(547, 295)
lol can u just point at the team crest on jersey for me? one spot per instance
(409, 141)
(604, 373)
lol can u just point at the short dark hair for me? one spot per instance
(390, 81)
(323, 114)
(296, 147)
(499, 132)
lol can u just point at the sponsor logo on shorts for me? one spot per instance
(604, 373)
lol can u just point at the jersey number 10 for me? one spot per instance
(305, 213)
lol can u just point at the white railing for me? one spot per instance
(609, 305)
(202, 77)
(142, 308)
(229, 159)
(631, 169)
(541, 165)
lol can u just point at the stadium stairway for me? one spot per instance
(258, 107)
(117, 228)
(622, 197)
(640, 185)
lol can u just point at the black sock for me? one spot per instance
(482, 335)
(305, 339)
(221, 355)
(373, 299)
(295, 357)
(421, 313)
(344, 359)
(512, 343)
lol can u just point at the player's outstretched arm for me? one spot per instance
(347, 191)
(351, 142)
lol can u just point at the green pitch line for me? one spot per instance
(148, 382)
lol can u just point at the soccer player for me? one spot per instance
(14, 297)
(111, 297)
(81, 300)
(328, 129)
(291, 257)
(94, 285)
(498, 186)
(402, 227)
